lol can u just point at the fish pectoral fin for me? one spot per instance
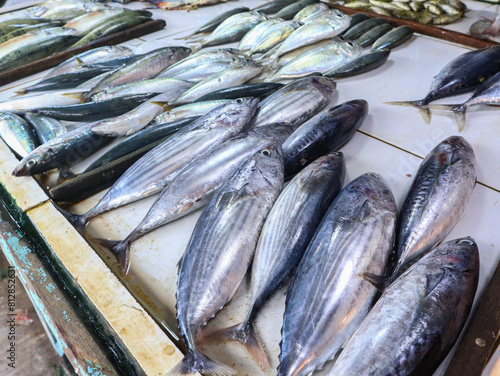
(166, 106)
(434, 279)
(378, 281)
(364, 211)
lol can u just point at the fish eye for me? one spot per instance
(239, 101)
(266, 152)
(466, 242)
(350, 44)
(31, 162)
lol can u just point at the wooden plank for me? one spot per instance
(482, 333)
(51, 61)
(55, 309)
(429, 30)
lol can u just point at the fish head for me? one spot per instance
(349, 48)
(277, 132)
(459, 255)
(35, 162)
(454, 149)
(268, 167)
(331, 163)
(338, 21)
(238, 113)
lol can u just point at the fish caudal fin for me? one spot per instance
(459, 111)
(420, 105)
(78, 221)
(243, 333)
(119, 248)
(195, 361)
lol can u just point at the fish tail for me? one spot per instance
(78, 221)
(198, 47)
(459, 110)
(195, 361)
(245, 334)
(119, 248)
(420, 105)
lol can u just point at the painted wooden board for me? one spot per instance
(392, 141)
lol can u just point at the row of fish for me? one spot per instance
(39, 31)
(303, 39)
(435, 12)
(476, 71)
(338, 244)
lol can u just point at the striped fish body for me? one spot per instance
(45, 127)
(436, 199)
(17, 134)
(250, 38)
(327, 299)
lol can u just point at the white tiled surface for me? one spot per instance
(393, 140)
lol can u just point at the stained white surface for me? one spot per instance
(392, 142)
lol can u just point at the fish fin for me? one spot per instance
(434, 279)
(78, 221)
(109, 131)
(195, 361)
(459, 110)
(119, 248)
(379, 281)
(66, 173)
(314, 74)
(166, 105)
(79, 62)
(420, 105)
(245, 335)
(198, 47)
(76, 95)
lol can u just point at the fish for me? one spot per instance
(355, 19)
(462, 74)
(220, 251)
(393, 38)
(247, 90)
(17, 134)
(309, 11)
(418, 318)
(249, 39)
(195, 184)
(355, 236)
(313, 32)
(435, 201)
(296, 102)
(231, 76)
(289, 56)
(205, 70)
(233, 28)
(45, 127)
(156, 169)
(272, 36)
(93, 111)
(322, 134)
(275, 6)
(144, 67)
(61, 152)
(289, 11)
(487, 93)
(360, 64)
(31, 102)
(86, 22)
(368, 38)
(69, 10)
(114, 24)
(188, 110)
(95, 55)
(147, 136)
(320, 59)
(153, 85)
(288, 228)
(183, 4)
(359, 29)
(216, 21)
(28, 29)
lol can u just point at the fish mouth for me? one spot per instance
(20, 170)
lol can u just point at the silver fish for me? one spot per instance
(272, 36)
(234, 28)
(249, 39)
(17, 134)
(436, 199)
(296, 102)
(284, 237)
(196, 183)
(238, 74)
(188, 110)
(159, 166)
(86, 22)
(320, 59)
(46, 128)
(30, 102)
(356, 236)
(146, 66)
(205, 70)
(314, 32)
(418, 318)
(154, 85)
(309, 11)
(220, 250)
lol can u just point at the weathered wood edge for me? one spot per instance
(57, 313)
(51, 61)
(429, 30)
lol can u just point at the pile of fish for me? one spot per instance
(39, 31)
(183, 4)
(435, 12)
(304, 38)
(477, 71)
